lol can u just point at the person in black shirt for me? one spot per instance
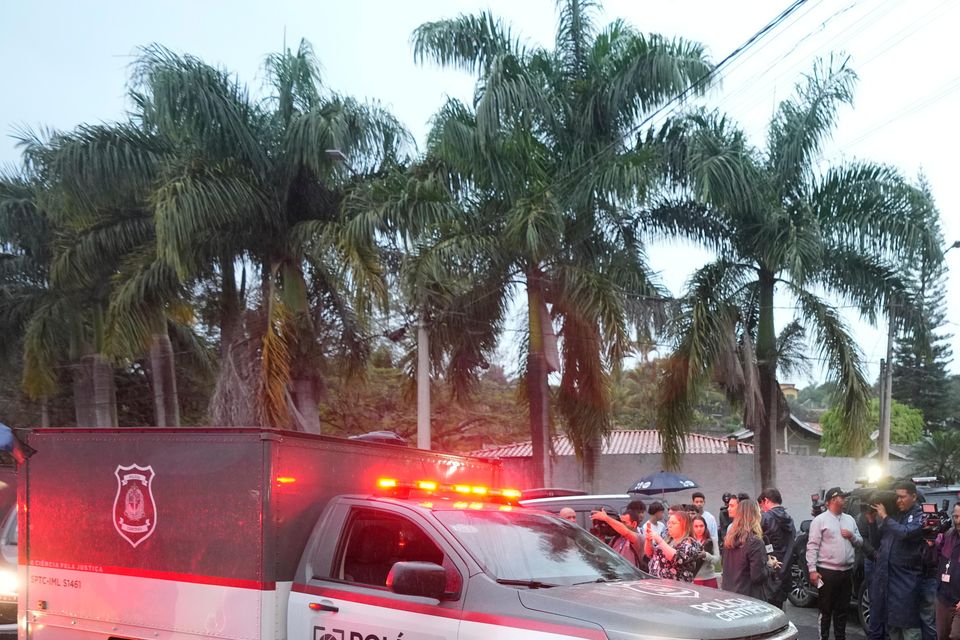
(948, 592)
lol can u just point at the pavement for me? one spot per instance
(806, 622)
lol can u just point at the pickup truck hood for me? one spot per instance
(660, 608)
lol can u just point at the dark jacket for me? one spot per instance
(948, 555)
(897, 573)
(780, 533)
(745, 568)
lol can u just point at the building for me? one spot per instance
(798, 437)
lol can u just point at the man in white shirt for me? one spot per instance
(831, 553)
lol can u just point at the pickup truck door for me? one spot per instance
(351, 601)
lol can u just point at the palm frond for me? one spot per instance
(792, 356)
(802, 124)
(466, 42)
(839, 350)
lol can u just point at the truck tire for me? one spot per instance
(863, 606)
(801, 591)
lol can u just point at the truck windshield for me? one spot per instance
(536, 548)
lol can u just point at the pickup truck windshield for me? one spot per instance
(535, 548)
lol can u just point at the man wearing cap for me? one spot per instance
(831, 553)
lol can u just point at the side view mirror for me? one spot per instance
(424, 579)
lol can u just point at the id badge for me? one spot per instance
(769, 548)
(944, 577)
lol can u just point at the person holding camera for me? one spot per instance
(627, 540)
(831, 555)
(897, 572)
(948, 591)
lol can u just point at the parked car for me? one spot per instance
(582, 504)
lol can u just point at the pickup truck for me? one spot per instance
(252, 534)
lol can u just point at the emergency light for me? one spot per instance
(395, 486)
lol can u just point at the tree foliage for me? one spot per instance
(906, 427)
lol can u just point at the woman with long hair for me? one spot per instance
(745, 560)
(678, 556)
(707, 576)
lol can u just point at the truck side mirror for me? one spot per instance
(424, 579)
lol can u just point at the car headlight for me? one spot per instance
(9, 582)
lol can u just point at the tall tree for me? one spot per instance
(546, 164)
(779, 224)
(923, 354)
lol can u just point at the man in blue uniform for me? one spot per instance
(897, 573)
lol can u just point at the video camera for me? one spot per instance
(934, 522)
(819, 506)
(602, 529)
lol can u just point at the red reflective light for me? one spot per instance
(286, 480)
(314, 606)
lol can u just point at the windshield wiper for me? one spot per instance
(533, 584)
(597, 580)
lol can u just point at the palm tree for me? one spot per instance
(778, 224)
(546, 166)
(258, 182)
(56, 321)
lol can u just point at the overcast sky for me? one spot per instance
(66, 63)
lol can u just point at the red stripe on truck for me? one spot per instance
(467, 616)
(192, 578)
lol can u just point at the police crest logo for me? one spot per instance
(134, 511)
(660, 588)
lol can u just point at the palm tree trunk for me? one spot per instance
(304, 392)
(537, 390)
(165, 402)
(83, 393)
(94, 392)
(229, 306)
(765, 471)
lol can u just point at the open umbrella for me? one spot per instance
(662, 482)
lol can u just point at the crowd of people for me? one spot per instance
(911, 570)
(752, 540)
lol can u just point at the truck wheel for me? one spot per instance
(863, 606)
(801, 591)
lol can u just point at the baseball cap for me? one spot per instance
(833, 493)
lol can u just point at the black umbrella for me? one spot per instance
(662, 482)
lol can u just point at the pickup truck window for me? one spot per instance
(535, 547)
(374, 540)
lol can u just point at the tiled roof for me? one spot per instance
(620, 441)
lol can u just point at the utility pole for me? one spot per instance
(886, 395)
(423, 384)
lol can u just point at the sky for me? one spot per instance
(66, 63)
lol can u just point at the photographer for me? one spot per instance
(627, 540)
(948, 593)
(897, 573)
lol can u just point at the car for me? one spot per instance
(583, 505)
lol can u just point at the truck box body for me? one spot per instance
(185, 533)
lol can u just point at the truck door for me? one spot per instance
(353, 602)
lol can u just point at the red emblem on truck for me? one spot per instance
(134, 511)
